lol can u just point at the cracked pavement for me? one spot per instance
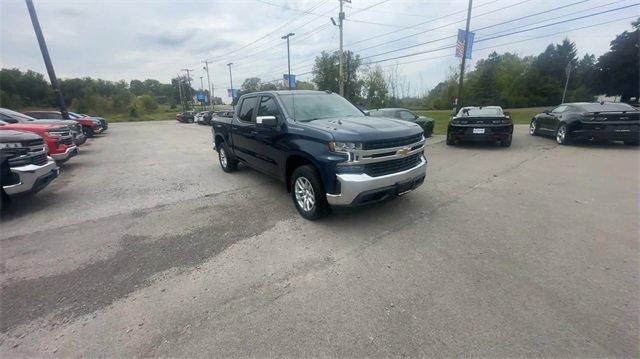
(144, 247)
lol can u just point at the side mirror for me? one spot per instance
(547, 111)
(266, 121)
(507, 114)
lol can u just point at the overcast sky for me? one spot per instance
(127, 40)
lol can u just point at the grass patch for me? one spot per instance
(163, 113)
(520, 116)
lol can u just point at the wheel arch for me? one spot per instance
(295, 160)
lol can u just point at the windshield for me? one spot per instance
(309, 107)
(17, 115)
(480, 112)
(607, 106)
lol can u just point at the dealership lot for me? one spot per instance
(528, 250)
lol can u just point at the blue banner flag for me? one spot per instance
(460, 43)
(286, 80)
(233, 93)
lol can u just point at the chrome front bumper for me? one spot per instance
(32, 177)
(68, 153)
(352, 185)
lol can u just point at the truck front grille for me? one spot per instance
(393, 166)
(67, 140)
(32, 143)
(396, 142)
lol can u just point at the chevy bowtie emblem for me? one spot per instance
(403, 151)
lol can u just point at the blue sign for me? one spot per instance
(461, 41)
(233, 93)
(202, 96)
(286, 80)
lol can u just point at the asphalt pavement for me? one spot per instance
(144, 247)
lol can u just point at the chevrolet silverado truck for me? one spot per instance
(24, 164)
(9, 116)
(57, 138)
(90, 126)
(324, 149)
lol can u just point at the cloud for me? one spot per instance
(167, 39)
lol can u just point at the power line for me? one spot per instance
(498, 24)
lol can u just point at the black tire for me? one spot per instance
(632, 143)
(562, 134)
(227, 163)
(506, 142)
(88, 131)
(301, 179)
(450, 140)
(533, 128)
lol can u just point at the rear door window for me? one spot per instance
(406, 115)
(247, 108)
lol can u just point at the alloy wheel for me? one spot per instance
(223, 157)
(561, 134)
(305, 196)
(532, 128)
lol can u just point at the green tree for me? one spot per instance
(375, 87)
(617, 70)
(326, 71)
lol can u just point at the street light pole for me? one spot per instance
(202, 89)
(206, 67)
(566, 84)
(287, 36)
(189, 81)
(341, 70)
(231, 84)
(180, 92)
(47, 59)
(464, 58)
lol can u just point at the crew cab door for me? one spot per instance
(268, 124)
(243, 130)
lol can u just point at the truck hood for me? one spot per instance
(31, 127)
(365, 128)
(7, 136)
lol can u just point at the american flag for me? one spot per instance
(460, 43)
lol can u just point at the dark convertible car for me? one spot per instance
(487, 124)
(604, 121)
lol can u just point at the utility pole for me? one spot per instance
(180, 92)
(287, 36)
(567, 71)
(47, 59)
(202, 89)
(464, 57)
(206, 67)
(231, 84)
(189, 81)
(341, 26)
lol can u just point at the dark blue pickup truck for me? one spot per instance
(326, 151)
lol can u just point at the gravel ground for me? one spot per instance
(144, 247)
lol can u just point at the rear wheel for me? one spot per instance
(450, 140)
(308, 194)
(506, 142)
(227, 163)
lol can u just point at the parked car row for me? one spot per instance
(203, 117)
(329, 153)
(34, 143)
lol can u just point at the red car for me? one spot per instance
(90, 126)
(57, 138)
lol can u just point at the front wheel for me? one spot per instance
(227, 163)
(308, 194)
(533, 128)
(562, 136)
(88, 131)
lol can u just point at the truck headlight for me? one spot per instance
(344, 146)
(10, 145)
(56, 133)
